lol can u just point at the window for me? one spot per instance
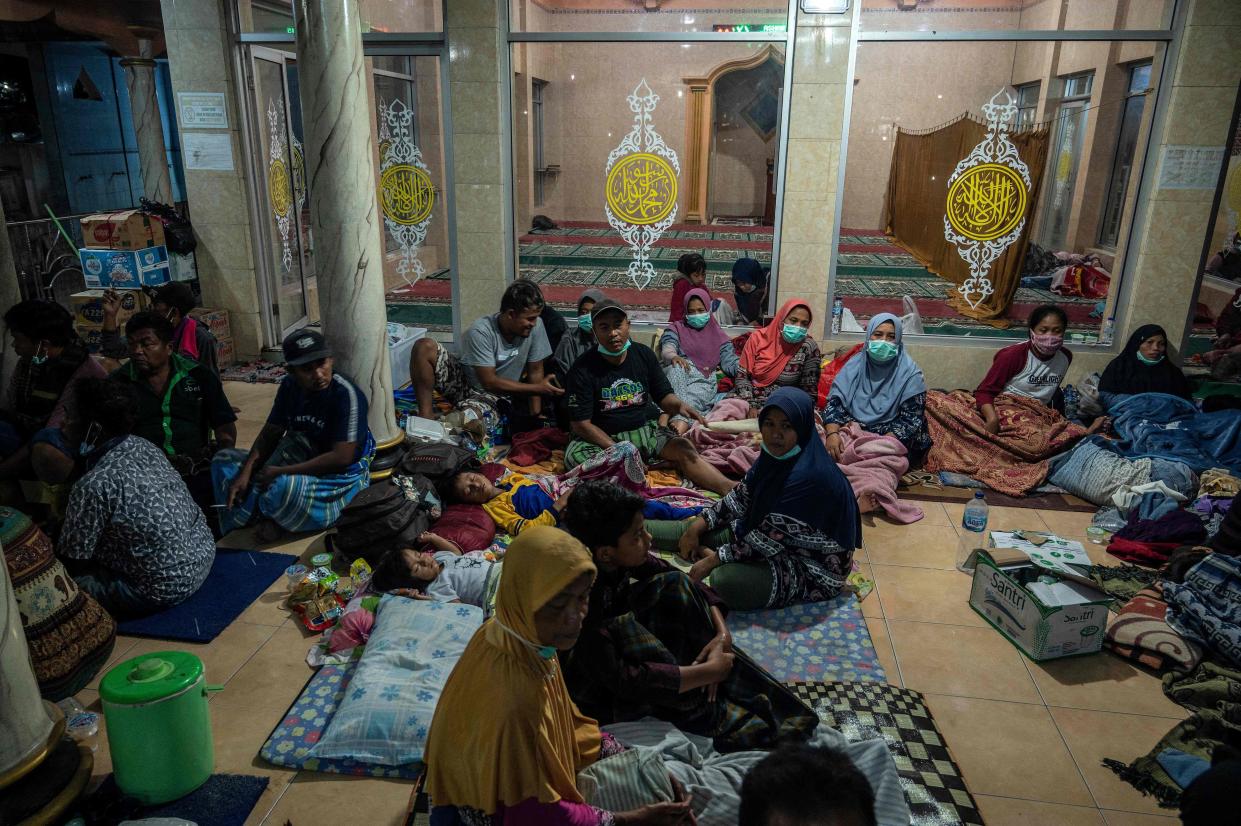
(1014, 15)
(277, 17)
(1126, 150)
(1068, 135)
(1027, 105)
(536, 121)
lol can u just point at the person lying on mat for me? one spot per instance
(311, 457)
(691, 275)
(133, 537)
(617, 392)
(654, 643)
(501, 355)
(506, 741)
(883, 390)
(690, 351)
(190, 338)
(51, 359)
(801, 785)
(181, 404)
(782, 354)
(444, 574)
(795, 521)
(1142, 367)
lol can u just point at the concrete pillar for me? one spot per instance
(343, 209)
(148, 128)
(10, 294)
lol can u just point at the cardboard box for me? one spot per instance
(225, 353)
(125, 269)
(215, 319)
(87, 306)
(1040, 630)
(128, 229)
(91, 335)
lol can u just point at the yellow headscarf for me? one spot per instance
(505, 729)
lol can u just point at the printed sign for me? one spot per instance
(207, 151)
(202, 110)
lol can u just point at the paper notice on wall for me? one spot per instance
(202, 110)
(212, 151)
(1190, 167)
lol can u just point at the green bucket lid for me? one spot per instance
(150, 677)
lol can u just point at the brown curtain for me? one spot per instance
(914, 208)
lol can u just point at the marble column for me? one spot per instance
(343, 210)
(24, 724)
(148, 128)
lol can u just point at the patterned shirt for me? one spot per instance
(806, 564)
(133, 514)
(801, 370)
(909, 427)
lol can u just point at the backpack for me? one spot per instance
(437, 462)
(385, 516)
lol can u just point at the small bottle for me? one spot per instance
(973, 530)
(1071, 400)
(838, 314)
(1109, 329)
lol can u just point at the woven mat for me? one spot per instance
(1038, 501)
(254, 372)
(931, 779)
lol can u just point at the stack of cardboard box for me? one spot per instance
(124, 250)
(87, 309)
(217, 322)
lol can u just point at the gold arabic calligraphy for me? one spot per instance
(986, 202)
(407, 194)
(641, 189)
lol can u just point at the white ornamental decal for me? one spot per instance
(640, 190)
(406, 193)
(279, 184)
(988, 194)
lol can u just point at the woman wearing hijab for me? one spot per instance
(883, 390)
(690, 351)
(795, 522)
(507, 742)
(749, 290)
(782, 354)
(579, 339)
(691, 275)
(1142, 367)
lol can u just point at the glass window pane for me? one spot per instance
(1016, 15)
(922, 183)
(704, 185)
(278, 16)
(1220, 289)
(614, 16)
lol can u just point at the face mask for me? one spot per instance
(1145, 360)
(39, 357)
(697, 320)
(794, 334)
(88, 441)
(545, 652)
(744, 287)
(583, 322)
(796, 449)
(605, 351)
(880, 350)
(1046, 344)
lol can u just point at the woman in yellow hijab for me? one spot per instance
(506, 742)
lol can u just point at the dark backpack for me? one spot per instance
(384, 517)
(437, 462)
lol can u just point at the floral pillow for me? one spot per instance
(386, 713)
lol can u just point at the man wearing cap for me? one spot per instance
(616, 394)
(312, 456)
(174, 302)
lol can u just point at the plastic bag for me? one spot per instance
(1089, 405)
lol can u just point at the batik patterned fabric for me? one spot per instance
(70, 636)
(1206, 607)
(930, 778)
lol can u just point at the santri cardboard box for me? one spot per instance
(1040, 631)
(127, 229)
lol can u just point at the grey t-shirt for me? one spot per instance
(486, 346)
(463, 577)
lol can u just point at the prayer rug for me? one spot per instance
(810, 642)
(254, 372)
(304, 723)
(224, 800)
(237, 578)
(930, 778)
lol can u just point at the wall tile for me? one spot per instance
(481, 13)
(1210, 56)
(807, 219)
(1213, 13)
(477, 158)
(1200, 115)
(480, 207)
(817, 111)
(475, 107)
(473, 54)
(812, 168)
(821, 56)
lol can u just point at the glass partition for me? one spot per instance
(1015, 15)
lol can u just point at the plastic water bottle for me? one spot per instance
(973, 530)
(1071, 401)
(838, 314)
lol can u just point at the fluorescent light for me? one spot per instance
(825, 6)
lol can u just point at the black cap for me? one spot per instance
(304, 346)
(607, 305)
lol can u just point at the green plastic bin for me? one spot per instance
(159, 731)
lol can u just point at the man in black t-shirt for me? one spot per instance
(617, 392)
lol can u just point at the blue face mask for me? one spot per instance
(605, 351)
(792, 453)
(794, 334)
(583, 322)
(1145, 360)
(39, 357)
(697, 320)
(881, 350)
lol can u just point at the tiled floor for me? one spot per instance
(1029, 737)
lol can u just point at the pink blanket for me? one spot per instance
(874, 466)
(732, 453)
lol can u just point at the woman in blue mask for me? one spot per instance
(579, 338)
(883, 390)
(782, 354)
(794, 520)
(690, 351)
(1142, 367)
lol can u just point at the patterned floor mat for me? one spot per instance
(932, 781)
(815, 641)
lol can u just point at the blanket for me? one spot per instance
(1206, 685)
(1168, 427)
(874, 465)
(1095, 473)
(1013, 461)
(1206, 607)
(731, 453)
(713, 780)
(1140, 632)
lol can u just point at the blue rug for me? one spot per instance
(224, 800)
(236, 580)
(815, 642)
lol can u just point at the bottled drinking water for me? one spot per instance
(838, 314)
(973, 530)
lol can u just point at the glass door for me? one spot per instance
(1065, 157)
(281, 169)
